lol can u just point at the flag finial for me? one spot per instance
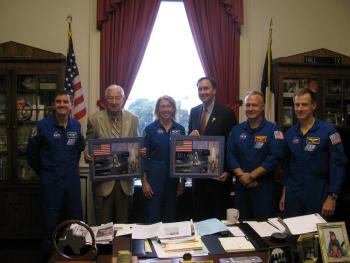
(69, 18)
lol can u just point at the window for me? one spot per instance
(171, 66)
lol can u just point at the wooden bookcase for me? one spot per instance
(322, 70)
(29, 78)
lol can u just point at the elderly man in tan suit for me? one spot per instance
(113, 198)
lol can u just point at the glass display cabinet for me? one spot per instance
(323, 71)
(29, 78)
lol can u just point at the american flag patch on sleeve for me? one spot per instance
(278, 135)
(335, 138)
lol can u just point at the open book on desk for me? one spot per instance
(299, 224)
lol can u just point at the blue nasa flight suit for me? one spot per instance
(248, 149)
(316, 167)
(54, 152)
(162, 206)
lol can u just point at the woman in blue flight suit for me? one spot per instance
(158, 188)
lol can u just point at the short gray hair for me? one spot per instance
(116, 87)
(254, 93)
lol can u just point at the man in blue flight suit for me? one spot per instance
(253, 151)
(316, 168)
(53, 152)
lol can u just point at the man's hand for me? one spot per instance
(328, 206)
(195, 133)
(180, 188)
(281, 203)
(245, 179)
(253, 184)
(143, 152)
(87, 157)
(147, 189)
(222, 178)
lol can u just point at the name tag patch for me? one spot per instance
(310, 147)
(258, 145)
(71, 141)
(177, 132)
(72, 135)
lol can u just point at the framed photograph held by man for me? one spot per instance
(196, 157)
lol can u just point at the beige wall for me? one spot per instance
(298, 26)
(42, 24)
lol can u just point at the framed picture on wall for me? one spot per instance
(196, 157)
(115, 158)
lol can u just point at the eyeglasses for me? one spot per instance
(110, 98)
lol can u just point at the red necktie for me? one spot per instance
(203, 121)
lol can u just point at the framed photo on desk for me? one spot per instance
(196, 157)
(308, 247)
(115, 158)
(334, 242)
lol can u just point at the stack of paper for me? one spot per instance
(145, 231)
(264, 229)
(176, 250)
(184, 246)
(103, 233)
(179, 237)
(122, 229)
(303, 224)
(171, 239)
(162, 230)
(175, 230)
(236, 244)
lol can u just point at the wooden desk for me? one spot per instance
(124, 243)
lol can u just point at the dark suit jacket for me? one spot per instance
(211, 197)
(220, 123)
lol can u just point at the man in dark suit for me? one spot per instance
(210, 196)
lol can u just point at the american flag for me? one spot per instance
(101, 149)
(183, 146)
(72, 82)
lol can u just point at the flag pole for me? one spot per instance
(72, 81)
(269, 43)
(69, 20)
